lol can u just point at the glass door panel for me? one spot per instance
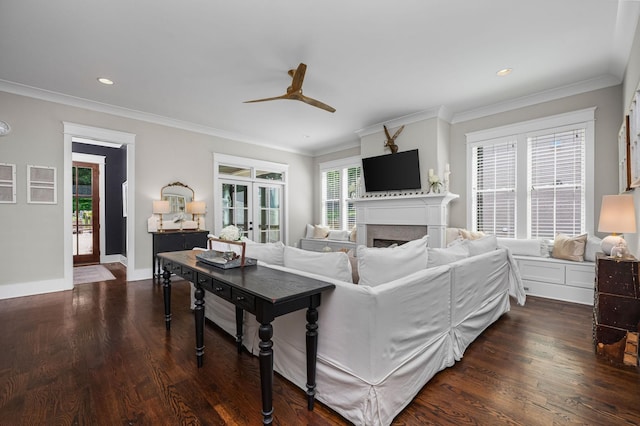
(236, 207)
(85, 220)
(268, 214)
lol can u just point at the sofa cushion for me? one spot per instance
(444, 256)
(381, 265)
(522, 247)
(471, 235)
(482, 245)
(272, 253)
(569, 248)
(329, 264)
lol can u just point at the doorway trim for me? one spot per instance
(99, 134)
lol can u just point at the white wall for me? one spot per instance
(31, 237)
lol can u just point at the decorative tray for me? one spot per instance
(224, 260)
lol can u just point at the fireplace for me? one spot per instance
(403, 217)
(385, 235)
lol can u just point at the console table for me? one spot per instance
(175, 241)
(264, 292)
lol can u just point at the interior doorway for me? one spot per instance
(85, 225)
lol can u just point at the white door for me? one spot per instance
(236, 206)
(267, 213)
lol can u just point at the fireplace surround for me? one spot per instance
(403, 217)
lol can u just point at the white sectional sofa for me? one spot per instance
(380, 344)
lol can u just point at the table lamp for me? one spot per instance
(617, 215)
(161, 207)
(196, 208)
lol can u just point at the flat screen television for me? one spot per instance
(392, 172)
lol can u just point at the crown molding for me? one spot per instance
(60, 98)
(538, 98)
(440, 112)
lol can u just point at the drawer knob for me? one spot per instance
(202, 280)
(219, 289)
(240, 298)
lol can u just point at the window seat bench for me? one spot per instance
(558, 279)
(324, 244)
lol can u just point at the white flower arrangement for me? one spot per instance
(230, 233)
(434, 183)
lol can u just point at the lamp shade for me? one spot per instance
(196, 207)
(161, 207)
(617, 214)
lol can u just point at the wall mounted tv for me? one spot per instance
(392, 172)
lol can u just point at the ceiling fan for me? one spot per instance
(294, 92)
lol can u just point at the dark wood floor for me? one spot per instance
(99, 355)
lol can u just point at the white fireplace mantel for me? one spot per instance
(430, 210)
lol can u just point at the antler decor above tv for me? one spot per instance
(391, 140)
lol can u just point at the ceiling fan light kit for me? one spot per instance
(294, 92)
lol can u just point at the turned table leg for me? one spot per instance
(266, 371)
(166, 275)
(312, 354)
(198, 313)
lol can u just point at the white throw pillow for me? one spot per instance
(338, 235)
(593, 247)
(329, 264)
(272, 253)
(444, 256)
(482, 245)
(382, 265)
(309, 233)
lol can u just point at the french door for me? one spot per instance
(254, 207)
(86, 213)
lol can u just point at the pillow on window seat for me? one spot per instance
(338, 235)
(569, 248)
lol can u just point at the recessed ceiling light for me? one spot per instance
(106, 81)
(504, 71)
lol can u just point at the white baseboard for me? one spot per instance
(8, 291)
(139, 274)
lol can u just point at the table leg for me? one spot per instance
(266, 371)
(198, 313)
(239, 318)
(167, 297)
(312, 355)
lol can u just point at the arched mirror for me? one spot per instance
(178, 195)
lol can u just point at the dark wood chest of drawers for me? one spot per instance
(175, 241)
(616, 308)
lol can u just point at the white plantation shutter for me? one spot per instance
(331, 197)
(339, 183)
(556, 183)
(353, 177)
(494, 188)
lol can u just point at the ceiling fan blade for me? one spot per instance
(266, 99)
(298, 78)
(316, 103)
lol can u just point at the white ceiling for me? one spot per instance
(192, 63)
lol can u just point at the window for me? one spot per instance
(533, 179)
(339, 180)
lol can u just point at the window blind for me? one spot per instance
(556, 183)
(332, 183)
(494, 192)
